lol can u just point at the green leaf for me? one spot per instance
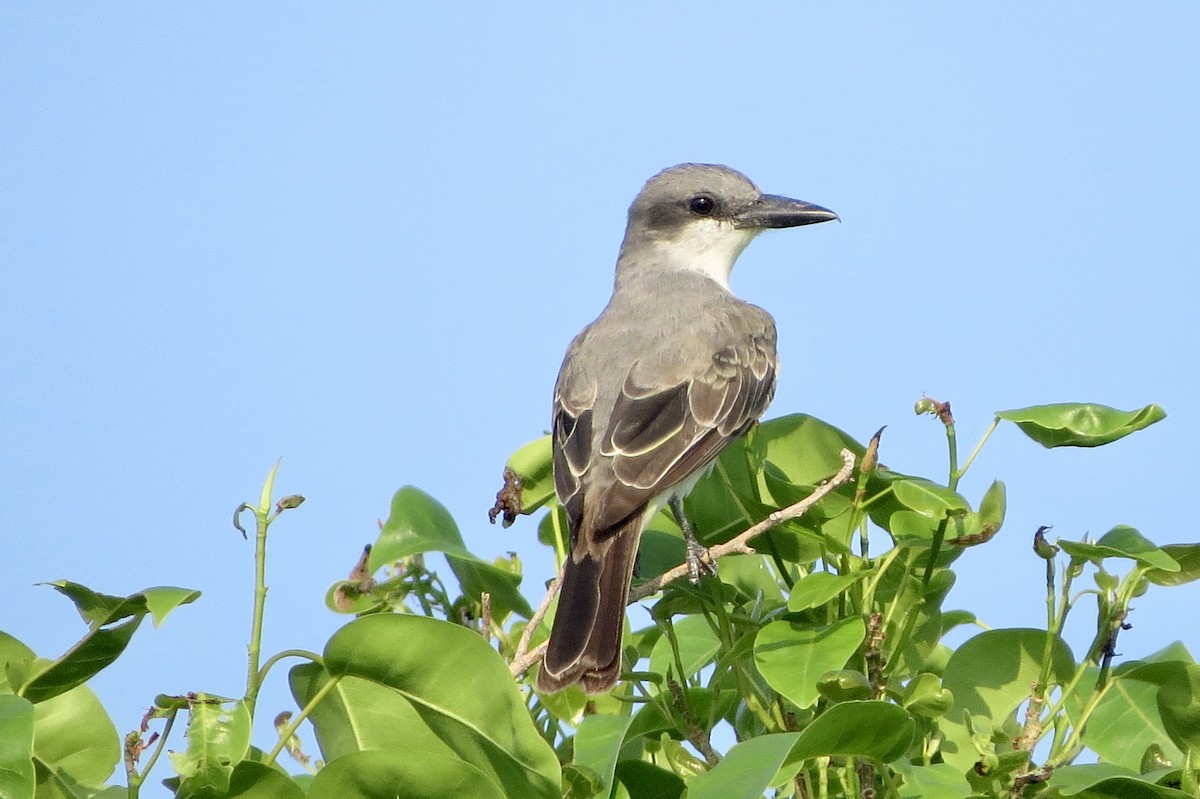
(650, 722)
(725, 500)
(552, 529)
(161, 600)
(99, 609)
(792, 657)
(598, 744)
(403, 774)
(96, 650)
(1187, 556)
(928, 498)
(990, 676)
(16, 747)
(939, 781)
(417, 523)
(1158, 667)
(253, 780)
(644, 780)
(1073, 424)
(912, 529)
(59, 784)
(1106, 781)
(475, 577)
(746, 770)
(358, 715)
(981, 527)
(580, 782)
(95, 607)
(818, 588)
(105, 640)
(1179, 707)
(735, 493)
(14, 656)
(751, 577)
(924, 696)
(880, 731)
(1122, 541)
(659, 549)
(533, 465)
(1126, 722)
(845, 685)
(804, 448)
(698, 645)
(994, 504)
(461, 689)
(217, 740)
(679, 758)
(74, 736)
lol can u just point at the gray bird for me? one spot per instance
(674, 369)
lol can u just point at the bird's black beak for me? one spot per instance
(773, 211)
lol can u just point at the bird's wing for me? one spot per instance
(572, 437)
(659, 431)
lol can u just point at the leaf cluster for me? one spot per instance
(816, 666)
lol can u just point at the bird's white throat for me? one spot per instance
(707, 246)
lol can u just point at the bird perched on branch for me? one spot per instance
(649, 394)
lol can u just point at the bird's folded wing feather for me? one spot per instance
(657, 434)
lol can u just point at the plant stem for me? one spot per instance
(1073, 744)
(262, 520)
(1034, 723)
(304, 713)
(287, 653)
(158, 750)
(873, 582)
(135, 779)
(1049, 594)
(979, 446)
(952, 445)
(935, 549)
(1053, 632)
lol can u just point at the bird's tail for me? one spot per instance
(585, 640)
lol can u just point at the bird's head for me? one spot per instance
(700, 217)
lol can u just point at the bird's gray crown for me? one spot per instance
(683, 193)
(676, 198)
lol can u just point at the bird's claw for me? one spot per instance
(699, 561)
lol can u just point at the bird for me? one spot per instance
(674, 369)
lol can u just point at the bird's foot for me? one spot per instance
(699, 561)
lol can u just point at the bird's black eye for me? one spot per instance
(702, 205)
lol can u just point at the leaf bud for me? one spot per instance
(844, 686)
(289, 502)
(1044, 549)
(925, 405)
(1105, 581)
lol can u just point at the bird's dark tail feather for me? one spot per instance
(585, 640)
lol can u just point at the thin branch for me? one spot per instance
(485, 624)
(534, 621)
(736, 545)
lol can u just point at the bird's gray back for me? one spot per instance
(660, 391)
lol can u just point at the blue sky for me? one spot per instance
(360, 236)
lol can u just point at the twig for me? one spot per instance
(485, 624)
(873, 654)
(697, 734)
(738, 544)
(522, 654)
(523, 660)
